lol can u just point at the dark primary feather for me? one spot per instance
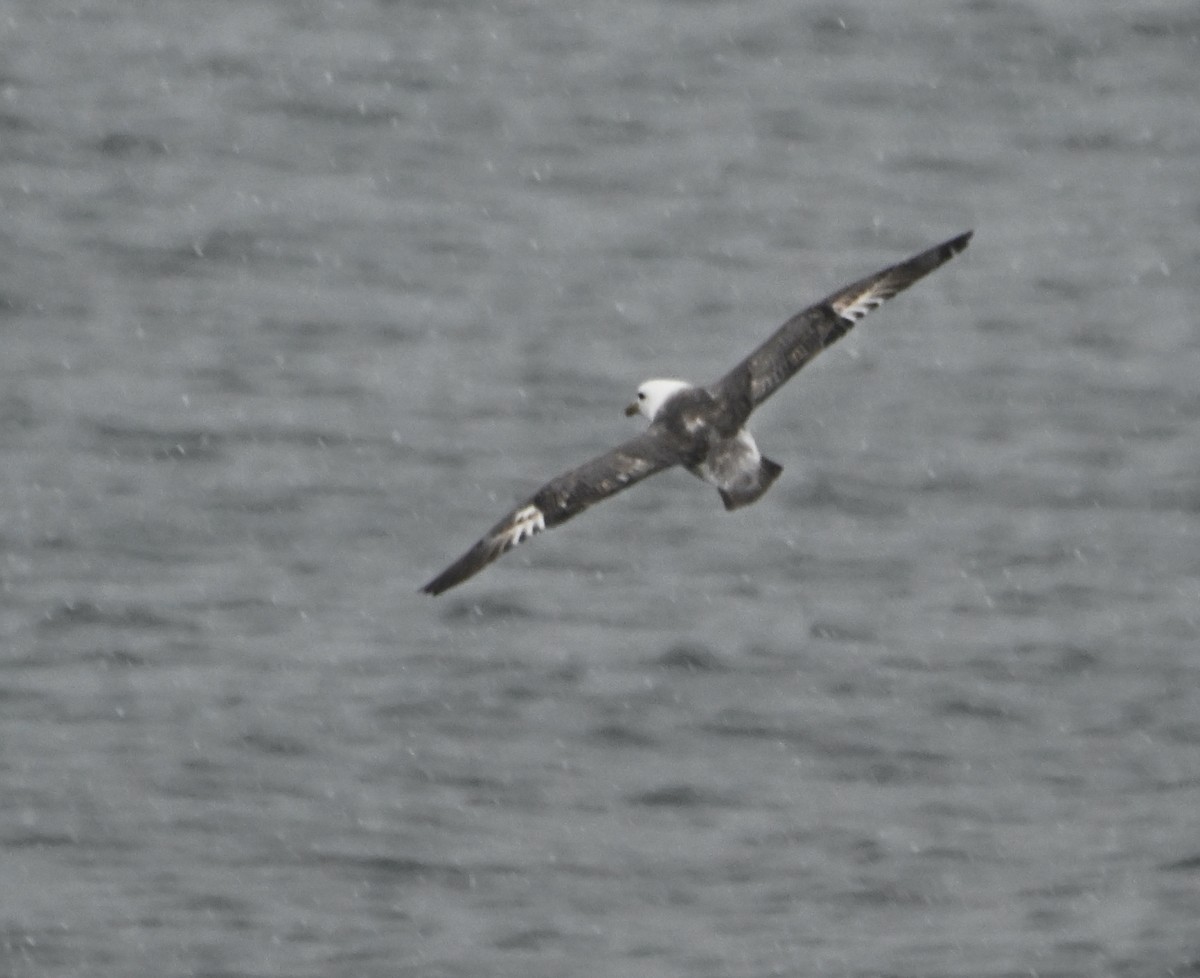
(566, 496)
(812, 330)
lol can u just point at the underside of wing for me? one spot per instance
(812, 330)
(564, 497)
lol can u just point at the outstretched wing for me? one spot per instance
(563, 497)
(809, 332)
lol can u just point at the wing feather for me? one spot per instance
(563, 497)
(813, 329)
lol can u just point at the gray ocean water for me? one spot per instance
(298, 298)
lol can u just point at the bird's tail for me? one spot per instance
(747, 490)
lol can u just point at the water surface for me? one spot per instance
(298, 298)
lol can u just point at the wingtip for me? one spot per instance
(437, 586)
(948, 249)
(443, 582)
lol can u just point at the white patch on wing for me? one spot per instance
(525, 523)
(855, 309)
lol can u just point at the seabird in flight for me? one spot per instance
(700, 428)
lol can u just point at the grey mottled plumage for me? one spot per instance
(701, 428)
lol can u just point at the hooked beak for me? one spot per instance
(631, 410)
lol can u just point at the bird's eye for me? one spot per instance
(641, 395)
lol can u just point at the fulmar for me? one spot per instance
(702, 429)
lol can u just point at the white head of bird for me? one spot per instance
(653, 394)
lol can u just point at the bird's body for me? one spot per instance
(719, 451)
(700, 428)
